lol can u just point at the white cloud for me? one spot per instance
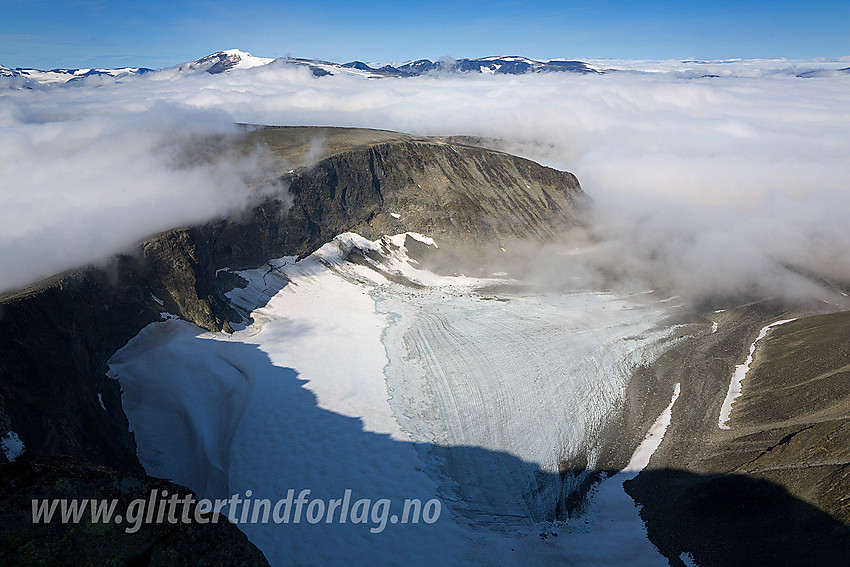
(714, 185)
(78, 190)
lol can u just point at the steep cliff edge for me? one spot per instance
(56, 335)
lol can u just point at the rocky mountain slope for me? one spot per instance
(775, 487)
(153, 544)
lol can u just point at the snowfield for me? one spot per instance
(359, 371)
(741, 371)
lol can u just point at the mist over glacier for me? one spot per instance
(711, 186)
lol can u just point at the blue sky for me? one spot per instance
(157, 33)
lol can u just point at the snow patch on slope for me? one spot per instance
(741, 371)
(650, 443)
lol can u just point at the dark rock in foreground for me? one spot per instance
(732, 520)
(23, 542)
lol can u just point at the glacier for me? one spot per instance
(357, 370)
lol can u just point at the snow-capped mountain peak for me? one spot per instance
(227, 60)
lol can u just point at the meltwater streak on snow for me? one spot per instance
(298, 399)
(741, 373)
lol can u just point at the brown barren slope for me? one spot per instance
(774, 489)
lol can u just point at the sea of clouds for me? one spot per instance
(712, 186)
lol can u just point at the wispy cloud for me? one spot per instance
(79, 189)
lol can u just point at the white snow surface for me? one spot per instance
(741, 371)
(248, 61)
(348, 379)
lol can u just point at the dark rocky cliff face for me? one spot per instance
(56, 336)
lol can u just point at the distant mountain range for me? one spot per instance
(59, 76)
(510, 65)
(497, 65)
(225, 61)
